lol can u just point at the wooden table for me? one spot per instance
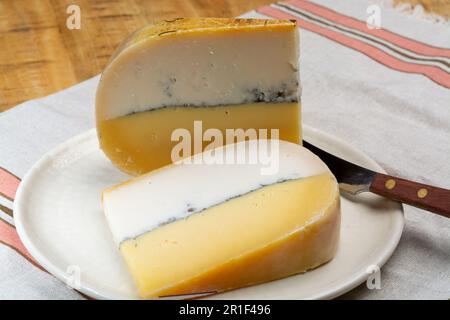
(39, 55)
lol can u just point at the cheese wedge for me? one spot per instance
(200, 227)
(228, 73)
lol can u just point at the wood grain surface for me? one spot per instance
(39, 55)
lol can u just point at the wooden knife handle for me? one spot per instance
(416, 194)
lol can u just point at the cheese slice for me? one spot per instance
(228, 73)
(197, 227)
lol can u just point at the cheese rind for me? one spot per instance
(180, 233)
(244, 70)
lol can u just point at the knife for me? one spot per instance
(355, 179)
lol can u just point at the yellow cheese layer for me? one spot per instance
(270, 233)
(141, 142)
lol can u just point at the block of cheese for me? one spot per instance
(228, 73)
(199, 227)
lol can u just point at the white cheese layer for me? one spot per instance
(209, 69)
(180, 190)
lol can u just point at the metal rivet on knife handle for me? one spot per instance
(390, 184)
(422, 193)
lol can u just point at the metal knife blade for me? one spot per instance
(351, 177)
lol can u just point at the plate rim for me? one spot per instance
(86, 289)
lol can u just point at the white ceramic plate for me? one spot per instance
(59, 218)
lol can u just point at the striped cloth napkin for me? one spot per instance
(384, 90)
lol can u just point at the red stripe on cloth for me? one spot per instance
(9, 237)
(8, 184)
(435, 74)
(401, 41)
